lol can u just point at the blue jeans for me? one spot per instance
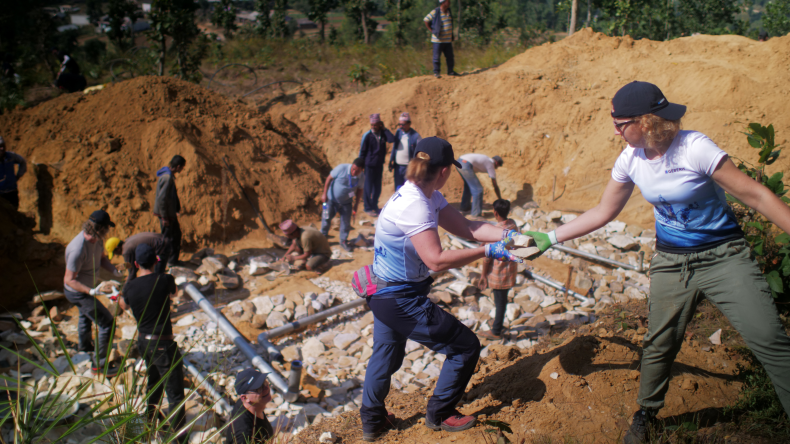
(447, 49)
(373, 174)
(472, 190)
(400, 175)
(344, 210)
(418, 319)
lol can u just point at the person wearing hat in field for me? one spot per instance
(158, 242)
(473, 190)
(440, 23)
(406, 139)
(8, 177)
(84, 258)
(167, 205)
(148, 297)
(406, 248)
(249, 424)
(309, 248)
(373, 149)
(701, 251)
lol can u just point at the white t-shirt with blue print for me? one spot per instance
(690, 208)
(407, 213)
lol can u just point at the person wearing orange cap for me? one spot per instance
(309, 248)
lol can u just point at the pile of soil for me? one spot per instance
(102, 150)
(547, 111)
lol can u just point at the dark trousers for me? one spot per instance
(12, 198)
(373, 175)
(91, 311)
(172, 232)
(160, 356)
(418, 319)
(438, 49)
(400, 175)
(500, 300)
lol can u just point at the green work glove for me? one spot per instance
(542, 240)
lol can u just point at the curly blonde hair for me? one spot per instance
(92, 229)
(657, 130)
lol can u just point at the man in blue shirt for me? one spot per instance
(9, 177)
(406, 140)
(343, 186)
(373, 150)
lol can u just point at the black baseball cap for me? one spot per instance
(145, 255)
(439, 150)
(640, 98)
(249, 380)
(100, 217)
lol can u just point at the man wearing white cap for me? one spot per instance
(405, 143)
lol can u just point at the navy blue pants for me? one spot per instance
(447, 49)
(400, 175)
(422, 321)
(373, 175)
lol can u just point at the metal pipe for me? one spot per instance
(230, 331)
(595, 257)
(272, 350)
(221, 406)
(457, 273)
(295, 378)
(318, 317)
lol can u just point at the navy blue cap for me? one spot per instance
(640, 98)
(439, 150)
(100, 217)
(144, 255)
(249, 380)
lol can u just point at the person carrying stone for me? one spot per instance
(249, 424)
(148, 297)
(84, 258)
(499, 275)
(440, 23)
(158, 242)
(700, 248)
(342, 192)
(8, 177)
(373, 149)
(167, 205)
(406, 139)
(473, 190)
(309, 248)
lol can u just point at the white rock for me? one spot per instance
(313, 348)
(512, 311)
(554, 375)
(411, 346)
(276, 319)
(183, 322)
(263, 305)
(715, 338)
(432, 369)
(623, 242)
(524, 343)
(567, 218)
(343, 340)
(129, 331)
(278, 299)
(635, 293)
(535, 294)
(300, 311)
(327, 437)
(614, 227)
(548, 300)
(317, 306)
(485, 305)
(325, 299)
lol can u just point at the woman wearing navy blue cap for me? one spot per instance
(700, 247)
(407, 247)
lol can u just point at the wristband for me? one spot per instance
(552, 237)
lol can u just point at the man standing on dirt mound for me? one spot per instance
(84, 257)
(406, 140)
(700, 248)
(9, 177)
(473, 190)
(373, 149)
(440, 23)
(167, 205)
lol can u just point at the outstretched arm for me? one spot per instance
(453, 221)
(429, 247)
(614, 198)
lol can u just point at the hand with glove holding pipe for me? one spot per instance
(542, 240)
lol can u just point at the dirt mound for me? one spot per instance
(546, 111)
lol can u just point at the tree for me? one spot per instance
(777, 17)
(395, 15)
(94, 10)
(358, 20)
(279, 25)
(176, 19)
(225, 17)
(119, 10)
(572, 26)
(263, 23)
(319, 12)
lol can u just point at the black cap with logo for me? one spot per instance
(640, 98)
(100, 217)
(249, 380)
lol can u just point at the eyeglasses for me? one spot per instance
(621, 126)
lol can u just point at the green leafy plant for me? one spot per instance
(771, 250)
(359, 74)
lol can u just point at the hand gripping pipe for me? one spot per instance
(222, 407)
(264, 337)
(530, 274)
(230, 331)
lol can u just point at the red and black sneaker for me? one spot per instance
(455, 423)
(109, 371)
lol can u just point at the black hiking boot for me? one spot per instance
(640, 426)
(389, 423)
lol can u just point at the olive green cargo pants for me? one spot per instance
(731, 280)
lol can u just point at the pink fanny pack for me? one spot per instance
(366, 283)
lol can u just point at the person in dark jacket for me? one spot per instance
(158, 242)
(9, 177)
(167, 206)
(406, 140)
(69, 77)
(249, 424)
(440, 23)
(373, 149)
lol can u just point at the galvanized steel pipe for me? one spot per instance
(597, 258)
(277, 381)
(222, 407)
(318, 317)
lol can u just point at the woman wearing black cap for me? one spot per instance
(407, 248)
(701, 250)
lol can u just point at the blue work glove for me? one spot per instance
(499, 252)
(509, 234)
(542, 240)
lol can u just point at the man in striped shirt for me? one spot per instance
(440, 23)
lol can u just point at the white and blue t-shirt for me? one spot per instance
(344, 186)
(691, 210)
(407, 213)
